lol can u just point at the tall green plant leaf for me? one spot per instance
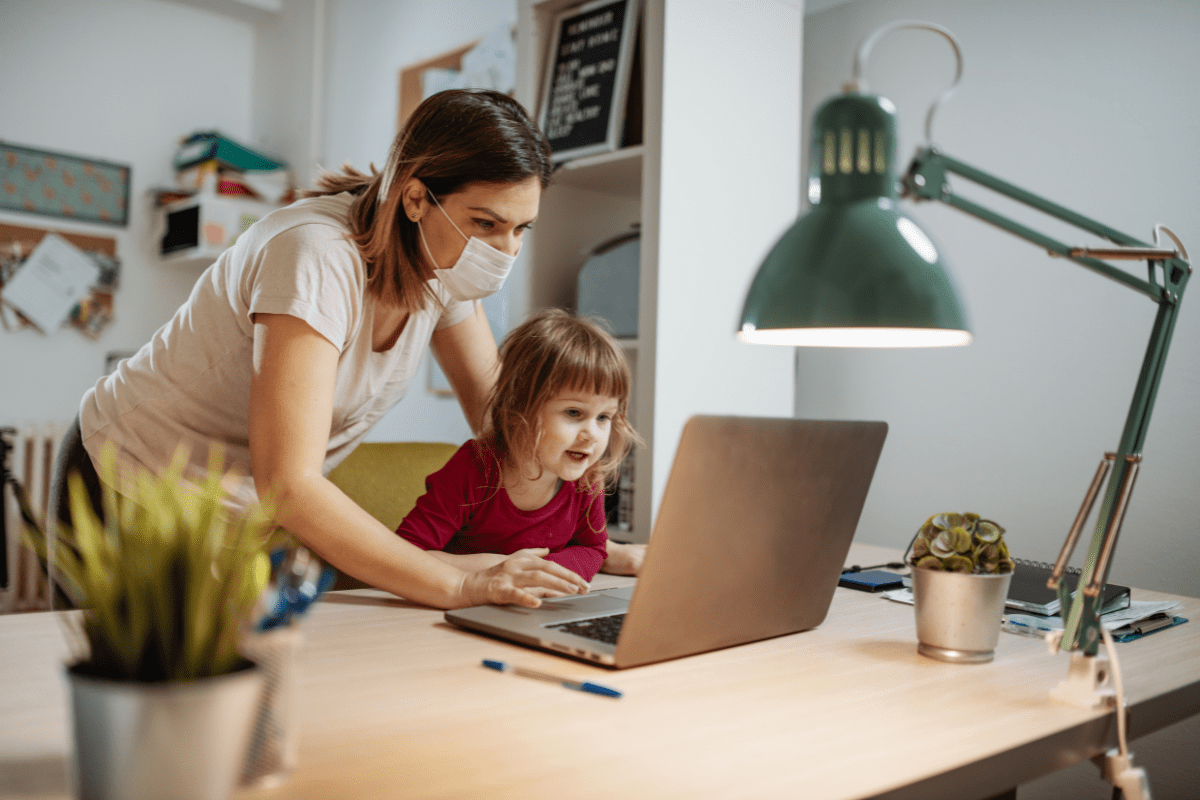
(169, 578)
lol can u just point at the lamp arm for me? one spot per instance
(927, 180)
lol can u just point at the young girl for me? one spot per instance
(557, 432)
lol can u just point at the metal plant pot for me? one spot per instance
(182, 740)
(958, 614)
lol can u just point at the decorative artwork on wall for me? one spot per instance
(61, 185)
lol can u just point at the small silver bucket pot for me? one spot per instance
(958, 614)
(182, 740)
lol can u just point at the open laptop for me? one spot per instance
(752, 535)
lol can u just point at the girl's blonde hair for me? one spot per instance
(551, 352)
(453, 139)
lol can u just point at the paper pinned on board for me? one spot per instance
(490, 64)
(48, 285)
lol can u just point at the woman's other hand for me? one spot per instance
(624, 559)
(521, 579)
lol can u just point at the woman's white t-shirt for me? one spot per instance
(190, 384)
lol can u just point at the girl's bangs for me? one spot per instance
(604, 374)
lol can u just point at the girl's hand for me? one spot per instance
(522, 579)
(624, 559)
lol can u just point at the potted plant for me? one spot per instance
(162, 700)
(961, 571)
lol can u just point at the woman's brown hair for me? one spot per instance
(453, 139)
(551, 352)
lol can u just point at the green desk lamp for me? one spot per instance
(856, 272)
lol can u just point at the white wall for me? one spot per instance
(1093, 107)
(122, 81)
(369, 42)
(289, 82)
(709, 243)
(1096, 112)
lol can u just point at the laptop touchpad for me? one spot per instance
(566, 609)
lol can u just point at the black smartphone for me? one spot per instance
(872, 580)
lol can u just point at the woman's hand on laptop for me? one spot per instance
(522, 579)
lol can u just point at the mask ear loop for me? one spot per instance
(425, 244)
(421, 230)
(859, 84)
(433, 197)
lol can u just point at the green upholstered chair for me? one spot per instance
(386, 478)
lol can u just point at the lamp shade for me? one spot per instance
(854, 271)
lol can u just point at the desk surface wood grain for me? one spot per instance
(395, 704)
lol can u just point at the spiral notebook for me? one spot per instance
(1028, 591)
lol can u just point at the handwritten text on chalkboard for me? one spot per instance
(583, 87)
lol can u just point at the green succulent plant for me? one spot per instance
(961, 543)
(166, 581)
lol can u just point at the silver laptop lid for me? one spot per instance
(755, 524)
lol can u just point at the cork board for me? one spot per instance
(410, 80)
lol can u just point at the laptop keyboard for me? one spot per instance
(602, 629)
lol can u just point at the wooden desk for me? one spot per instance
(396, 705)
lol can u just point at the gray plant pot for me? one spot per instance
(184, 740)
(958, 615)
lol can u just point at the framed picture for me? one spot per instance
(587, 78)
(62, 185)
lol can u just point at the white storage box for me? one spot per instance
(200, 228)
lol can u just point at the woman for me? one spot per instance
(306, 331)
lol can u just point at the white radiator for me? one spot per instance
(30, 461)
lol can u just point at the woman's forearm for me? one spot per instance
(350, 539)
(468, 562)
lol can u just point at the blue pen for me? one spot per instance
(579, 686)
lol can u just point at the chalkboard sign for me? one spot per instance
(587, 78)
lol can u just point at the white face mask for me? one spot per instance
(480, 270)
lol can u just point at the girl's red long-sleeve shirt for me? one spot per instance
(464, 510)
